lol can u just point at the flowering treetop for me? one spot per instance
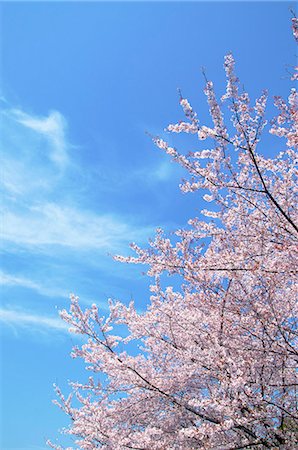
(218, 364)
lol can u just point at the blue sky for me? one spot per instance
(81, 83)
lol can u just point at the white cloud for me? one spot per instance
(12, 280)
(34, 153)
(164, 171)
(18, 180)
(52, 127)
(26, 319)
(54, 224)
(7, 279)
(45, 224)
(30, 216)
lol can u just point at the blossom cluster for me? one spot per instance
(217, 361)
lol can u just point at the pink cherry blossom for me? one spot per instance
(217, 361)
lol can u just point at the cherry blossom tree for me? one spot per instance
(217, 361)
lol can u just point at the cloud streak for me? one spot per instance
(52, 224)
(32, 215)
(34, 153)
(52, 127)
(25, 319)
(55, 238)
(11, 280)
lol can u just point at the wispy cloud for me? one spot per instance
(56, 231)
(52, 127)
(54, 224)
(34, 153)
(11, 280)
(25, 319)
(32, 215)
(163, 172)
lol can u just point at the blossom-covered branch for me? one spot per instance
(218, 357)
